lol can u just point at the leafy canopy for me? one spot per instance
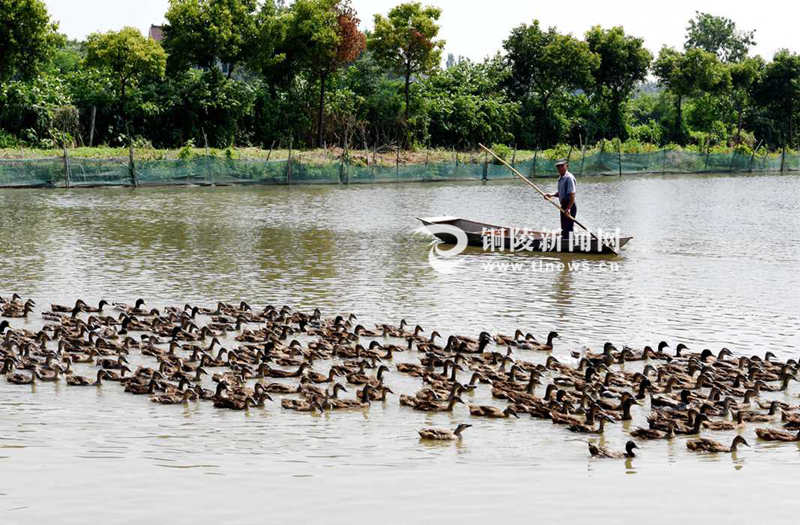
(207, 32)
(688, 73)
(624, 60)
(544, 63)
(718, 35)
(779, 91)
(127, 55)
(624, 63)
(405, 41)
(27, 38)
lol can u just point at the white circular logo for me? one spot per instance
(443, 260)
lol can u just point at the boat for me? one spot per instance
(492, 237)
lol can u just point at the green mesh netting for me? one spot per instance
(32, 172)
(97, 172)
(216, 170)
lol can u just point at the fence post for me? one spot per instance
(374, 157)
(664, 162)
(66, 167)
(583, 151)
(207, 161)
(783, 158)
(619, 157)
(91, 128)
(397, 162)
(485, 166)
(289, 163)
(752, 155)
(513, 156)
(708, 154)
(131, 165)
(533, 168)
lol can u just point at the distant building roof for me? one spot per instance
(156, 33)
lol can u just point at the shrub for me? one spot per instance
(186, 152)
(502, 151)
(7, 140)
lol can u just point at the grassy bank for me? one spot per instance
(385, 157)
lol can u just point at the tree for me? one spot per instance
(779, 90)
(745, 76)
(466, 104)
(269, 55)
(685, 74)
(210, 33)
(68, 57)
(27, 38)
(128, 56)
(326, 32)
(624, 62)
(546, 65)
(718, 35)
(379, 96)
(405, 42)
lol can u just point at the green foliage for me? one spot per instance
(686, 74)
(269, 73)
(27, 107)
(65, 125)
(546, 67)
(126, 56)
(778, 92)
(405, 42)
(467, 105)
(326, 34)
(187, 151)
(27, 38)
(210, 32)
(651, 132)
(718, 35)
(502, 151)
(67, 58)
(7, 140)
(624, 63)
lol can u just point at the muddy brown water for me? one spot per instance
(713, 264)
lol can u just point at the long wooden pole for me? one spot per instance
(543, 194)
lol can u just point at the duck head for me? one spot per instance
(738, 440)
(460, 428)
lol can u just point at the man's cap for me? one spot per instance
(561, 162)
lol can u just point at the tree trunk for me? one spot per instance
(739, 119)
(321, 111)
(617, 102)
(122, 109)
(407, 90)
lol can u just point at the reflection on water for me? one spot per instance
(712, 263)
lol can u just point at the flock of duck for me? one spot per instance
(276, 350)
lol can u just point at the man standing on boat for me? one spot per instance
(566, 197)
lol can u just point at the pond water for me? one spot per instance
(713, 264)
